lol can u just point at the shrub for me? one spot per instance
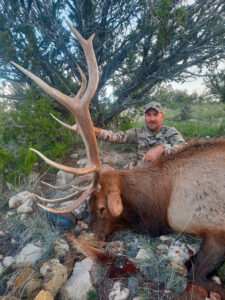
(30, 125)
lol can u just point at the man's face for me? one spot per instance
(154, 120)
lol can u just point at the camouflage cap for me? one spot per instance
(154, 105)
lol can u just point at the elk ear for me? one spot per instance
(114, 202)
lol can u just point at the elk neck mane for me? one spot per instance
(193, 147)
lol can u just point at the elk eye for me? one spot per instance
(101, 210)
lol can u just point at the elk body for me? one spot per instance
(184, 191)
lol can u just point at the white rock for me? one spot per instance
(26, 208)
(82, 162)
(1, 268)
(217, 280)
(55, 275)
(143, 254)
(30, 253)
(23, 217)
(77, 287)
(20, 198)
(10, 213)
(119, 292)
(162, 248)
(167, 238)
(178, 253)
(61, 247)
(74, 155)
(63, 178)
(7, 261)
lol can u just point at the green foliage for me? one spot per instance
(171, 98)
(30, 125)
(92, 295)
(6, 158)
(216, 84)
(185, 112)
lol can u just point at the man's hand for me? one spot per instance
(96, 130)
(153, 154)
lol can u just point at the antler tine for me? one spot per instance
(70, 208)
(59, 200)
(80, 171)
(92, 64)
(54, 93)
(73, 127)
(83, 85)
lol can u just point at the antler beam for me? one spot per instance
(79, 107)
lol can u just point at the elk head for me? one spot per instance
(105, 205)
(79, 107)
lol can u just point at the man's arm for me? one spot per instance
(173, 141)
(120, 137)
(154, 153)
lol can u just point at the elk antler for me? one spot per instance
(79, 107)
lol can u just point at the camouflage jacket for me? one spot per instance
(168, 137)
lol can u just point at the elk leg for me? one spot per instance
(209, 258)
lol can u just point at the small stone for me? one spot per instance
(79, 283)
(162, 248)
(164, 238)
(82, 162)
(61, 247)
(44, 295)
(30, 253)
(23, 217)
(1, 268)
(10, 213)
(7, 261)
(55, 275)
(38, 244)
(217, 280)
(20, 198)
(143, 255)
(26, 207)
(74, 155)
(119, 292)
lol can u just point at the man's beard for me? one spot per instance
(152, 129)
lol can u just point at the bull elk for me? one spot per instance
(184, 191)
